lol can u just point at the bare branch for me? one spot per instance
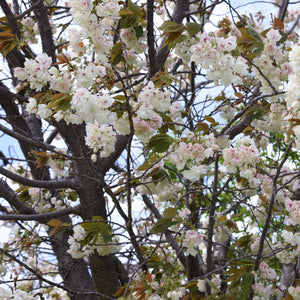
(51, 184)
(283, 9)
(41, 15)
(23, 137)
(210, 231)
(10, 18)
(42, 217)
(150, 39)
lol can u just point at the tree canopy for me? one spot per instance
(156, 150)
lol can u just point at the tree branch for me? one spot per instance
(51, 184)
(211, 223)
(10, 196)
(41, 15)
(42, 217)
(106, 163)
(10, 18)
(150, 39)
(283, 9)
(28, 140)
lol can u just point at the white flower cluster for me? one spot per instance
(44, 201)
(196, 151)
(294, 291)
(40, 110)
(266, 272)
(128, 36)
(95, 26)
(243, 157)
(38, 72)
(35, 71)
(175, 111)
(293, 209)
(283, 195)
(274, 121)
(263, 286)
(30, 30)
(193, 241)
(192, 154)
(293, 94)
(162, 191)
(78, 250)
(86, 75)
(90, 107)
(264, 291)
(101, 137)
(272, 62)
(213, 54)
(60, 81)
(40, 200)
(184, 213)
(59, 166)
(196, 172)
(176, 294)
(254, 247)
(288, 256)
(150, 101)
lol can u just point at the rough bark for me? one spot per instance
(105, 270)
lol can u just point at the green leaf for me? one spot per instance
(158, 174)
(191, 285)
(255, 109)
(201, 126)
(92, 226)
(160, 143)
(258, 50)
(120, 97)
(146, 165)
(172, 39)
(169, 213)
(54, 223)
(128, 20)
(98, 218)
(255, 35)
(193, 28)
(125, 12)
(134, 8)
(56, 226)
(222, 96)
(60, 102)
(162, 225)
(247, 282)
(169, 26)
(244, 241)
(139, 31)
(116, 53)
(212, 285)
(209, 119)
(73, 196)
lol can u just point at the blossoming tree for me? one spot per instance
(158, 151)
